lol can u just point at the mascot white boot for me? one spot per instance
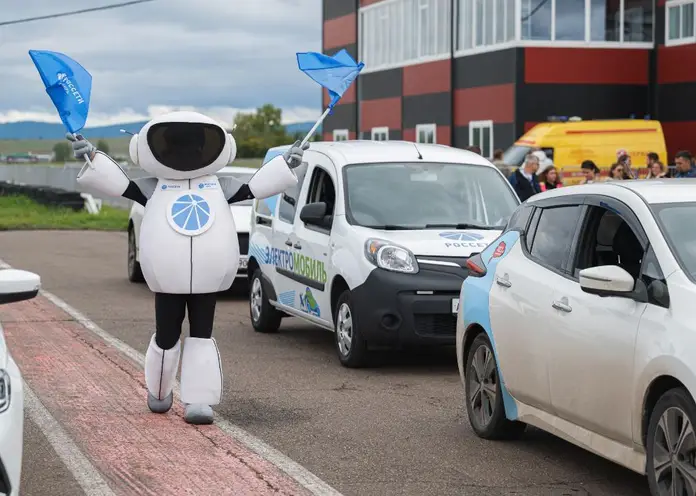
(188, 241)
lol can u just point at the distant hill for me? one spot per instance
(43, 130)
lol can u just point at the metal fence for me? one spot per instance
(62, 177)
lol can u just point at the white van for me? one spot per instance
(373, 241)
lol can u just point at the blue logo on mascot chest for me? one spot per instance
(190, 212)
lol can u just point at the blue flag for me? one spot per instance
(335, 73)
(68, 84)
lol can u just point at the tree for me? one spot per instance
(62, 152)
(103, 146)
(261, 130)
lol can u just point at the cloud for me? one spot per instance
(218, 56)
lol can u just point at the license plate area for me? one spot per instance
(455, 305)
(243, 262)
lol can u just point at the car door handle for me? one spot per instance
(288, 242)
(503, 282)
(563, 307)
(297, 246)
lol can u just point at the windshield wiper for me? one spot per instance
(394, 227)
(462, 226)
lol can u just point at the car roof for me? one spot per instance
(231, 169)
(351, 152)
(652, 191)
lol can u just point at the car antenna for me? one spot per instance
(126, 132)
(417, 150)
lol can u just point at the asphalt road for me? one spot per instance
(396, 429)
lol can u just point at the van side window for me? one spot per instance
(321, 189)
(288, 198)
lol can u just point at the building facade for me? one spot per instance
(482, 72)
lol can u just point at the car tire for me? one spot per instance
(671, 411)
(484, 398)
(135, 274)
(264, 317)
(350, 346)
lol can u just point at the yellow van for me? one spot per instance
(569, 143)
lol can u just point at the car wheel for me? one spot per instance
(264, 317)
(484, 398)
(671, 443)
(350, 345)
(135, 274)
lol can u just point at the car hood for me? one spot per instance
(242, 217)
(442, 243)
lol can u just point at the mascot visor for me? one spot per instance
(186, 146)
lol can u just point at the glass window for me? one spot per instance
(489, 21)
(605, 20)
(382, 195)
(500, 28)
(288, 199)
(480, 26)
(380, 133)
(510, 20)
(678, 227)
(570, 20)
(340, 135)
(674, 22)
(481, 135)
(520, 218)
(536, 19)
(465, 22)
(687, 29)
(425, 133)
(531, 231)
(554, 235)
(638, 20)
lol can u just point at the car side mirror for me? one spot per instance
(313, 213)
(606, 280)
(18, 285)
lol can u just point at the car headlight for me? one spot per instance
(387, 255)
(4, 390)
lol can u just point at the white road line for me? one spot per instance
(294, 470)
(88, 477)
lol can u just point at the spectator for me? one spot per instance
(524, 179)
(591, 171)
(549, 178)
(657, 170)
(624, 159)
(475, 149)
(617, 172)
(685, 165)
(650, 159)
(500, 164)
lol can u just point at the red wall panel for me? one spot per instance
(676, 64)
(382, 112)
(586, 66)
(496, 103)
(433, 77)
(340, 31)
(679, 136)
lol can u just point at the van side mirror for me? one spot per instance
(18, 285)
(313, 213)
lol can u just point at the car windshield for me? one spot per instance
(244, 178)
(421, 195)
(514, 156)
(677, 223)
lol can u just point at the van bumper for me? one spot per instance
(392, 308)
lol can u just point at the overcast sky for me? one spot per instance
(217, 56)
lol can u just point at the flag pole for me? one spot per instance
(315, 127)
(89, 162)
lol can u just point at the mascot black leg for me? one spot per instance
(162, 357)
(201, 370)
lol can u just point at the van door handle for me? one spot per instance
(562, 306)
(297, 246)
(288, 242)
(503, 282)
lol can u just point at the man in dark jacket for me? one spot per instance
(524, 179)
(685, 165)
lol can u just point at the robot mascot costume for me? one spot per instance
(188, 241)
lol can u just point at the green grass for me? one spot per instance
(20, 212)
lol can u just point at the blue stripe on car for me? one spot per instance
(475, 296)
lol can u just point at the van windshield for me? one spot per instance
(418, 195)
(514, 156)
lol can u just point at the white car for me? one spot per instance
(373, 240)
(579, 320)
(15, 285)
(242, 219)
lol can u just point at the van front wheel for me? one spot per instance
(350, 345)
(264, 317)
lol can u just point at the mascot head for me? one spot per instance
(182, 145)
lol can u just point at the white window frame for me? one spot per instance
(380, 130)
(679, 4)
(341, 133)
(379, 49)
(480, 125)
(426, 128)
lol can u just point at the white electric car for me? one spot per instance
(15, 285)
(579, 320)
(372, 242)
(242, 218)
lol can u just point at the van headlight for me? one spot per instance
(388, 256)
(4, 390)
